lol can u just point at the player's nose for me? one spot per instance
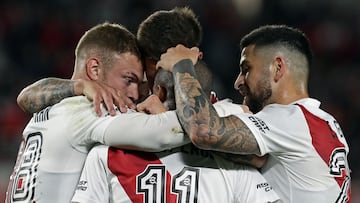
(240, 80)
(133, 92)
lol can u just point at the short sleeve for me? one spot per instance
(275, 130)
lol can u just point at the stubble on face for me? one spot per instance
(258, 97)
(259, 93)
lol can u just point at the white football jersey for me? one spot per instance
(182, 175)
(57, 140)
(308, 152)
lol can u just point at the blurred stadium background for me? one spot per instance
(37, 39)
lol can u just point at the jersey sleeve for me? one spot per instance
(141, 131)
(93, 184)
(226, 108)
(78, 118)
(270, 128)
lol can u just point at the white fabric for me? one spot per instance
(114, 175)
(295, 168)
(57, 140)
(146, 132)
(226, 107)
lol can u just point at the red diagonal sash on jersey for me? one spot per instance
(126, 165)
(325, 142)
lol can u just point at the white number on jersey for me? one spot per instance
(185, 184)
(24, 182)
(152, 181)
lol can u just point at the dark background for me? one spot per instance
(37, 39)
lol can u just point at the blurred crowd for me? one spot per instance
(38, 38)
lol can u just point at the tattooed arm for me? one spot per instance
(45, 92)
(49, 91)
(197, 115)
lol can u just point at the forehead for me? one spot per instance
(128, 62)
(247, 53)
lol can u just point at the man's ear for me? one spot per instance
(93, 68)
(161, 93)
(280, 68)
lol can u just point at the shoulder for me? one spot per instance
(279, 112)
(226, 107)
(292, 107)
(71, 105)
(74, 99)
(78, 100)
(98, 151)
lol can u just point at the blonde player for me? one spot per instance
(57, 139)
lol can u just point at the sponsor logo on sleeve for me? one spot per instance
(260, 124)
(264, 186)
(82, 185)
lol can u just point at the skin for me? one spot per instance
(153, 105)
(118, 85)
(125, 74)
(252, 82)
(265, 79)
(50, 91)
(31, 100)
(199, 118)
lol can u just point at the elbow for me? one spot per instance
(200, 140)
(21, 101)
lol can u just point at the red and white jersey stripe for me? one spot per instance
(308, 159)
(184, 174)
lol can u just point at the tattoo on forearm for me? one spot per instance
(45, 92)
(201, 121)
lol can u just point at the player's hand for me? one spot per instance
(151, 105)
(176, 54)
(101, 93)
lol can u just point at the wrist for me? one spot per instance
(184, 66)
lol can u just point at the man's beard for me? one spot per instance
(256, 102)
(253, 104)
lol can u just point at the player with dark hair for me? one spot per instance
(113, 130)
(308, 153)
(183, 174)
(152, 43)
